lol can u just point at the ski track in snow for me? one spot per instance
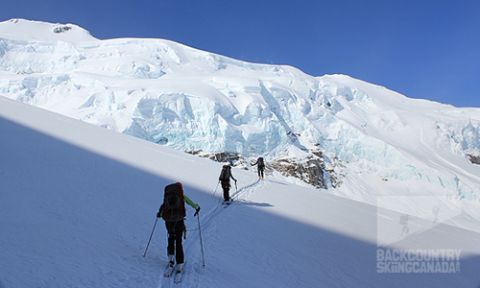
(238, 105)
(193, 269)
(88, 214)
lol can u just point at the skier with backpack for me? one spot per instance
(260, 167)
(224, 179)
(173, 212)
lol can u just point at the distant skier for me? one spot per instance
(173, 212)
(224, 178)
(260, 167)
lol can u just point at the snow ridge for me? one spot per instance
(28, 31)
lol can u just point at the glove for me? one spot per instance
(159, 215)
(196, 211)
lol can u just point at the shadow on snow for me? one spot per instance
(70, 217)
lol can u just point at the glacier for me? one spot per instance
(359, 134)
(77, 205)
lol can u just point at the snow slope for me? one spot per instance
(373, 141)
(78, 202)
(27, 30)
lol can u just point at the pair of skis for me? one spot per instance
(171, 271)
(227, 203)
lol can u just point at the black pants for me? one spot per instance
(226, 189)
(260, 171)
(175, 234)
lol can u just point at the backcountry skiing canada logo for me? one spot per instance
(399, 235)
(391, 260)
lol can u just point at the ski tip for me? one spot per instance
(178, 277)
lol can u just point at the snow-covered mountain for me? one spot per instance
(332, 131)
(77, 205)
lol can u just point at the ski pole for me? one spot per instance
(150, 239)
(236, 188)
(215, 192)
(201, 240)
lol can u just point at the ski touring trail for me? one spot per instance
(191, 274)
(85, 200)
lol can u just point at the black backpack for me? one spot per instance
(173, 207)
(260, 162)
(225, 174)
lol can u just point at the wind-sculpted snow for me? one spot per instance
(193, 100)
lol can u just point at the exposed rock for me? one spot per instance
(310, 170)
(61, 29)
(226, 157)
(317, 153)
(474, 159)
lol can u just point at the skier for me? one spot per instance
(224, 178)
(173, 212)
(260, 167)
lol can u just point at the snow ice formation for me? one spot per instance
(201, 102)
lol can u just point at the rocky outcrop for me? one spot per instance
(229, 157)
(474, 159)
(234, 159)
(61, 29)
(311, 170)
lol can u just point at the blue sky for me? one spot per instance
(424, 49)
